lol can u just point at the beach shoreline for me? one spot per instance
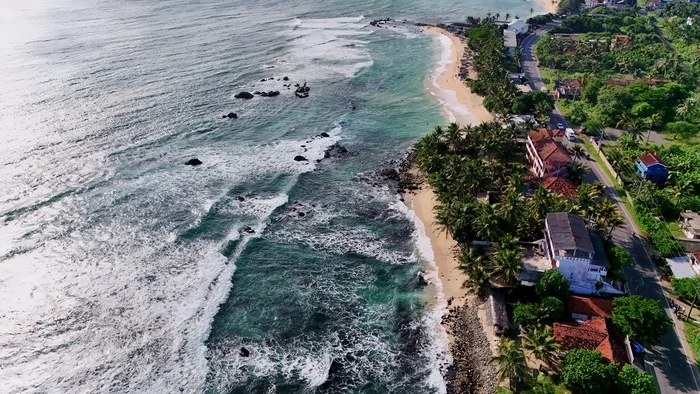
(549, 5)
(470, 343)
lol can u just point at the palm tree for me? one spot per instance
(498, 16)
(488, 226)
(540, 341)
(578, 152)
(478, 281)
(507, 16)
(454, 136)
(576, 172)
(507, 264)
(510, 363)
(532, 10)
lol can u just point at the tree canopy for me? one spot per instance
(640, 318)
(553, 284)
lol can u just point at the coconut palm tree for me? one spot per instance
(478, 281)
(540, 341)
(576, 172)
(578, 152)
(487, 224)
(507, 16)
(507, 264)
(510, 363)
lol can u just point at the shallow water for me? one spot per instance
(123, 270)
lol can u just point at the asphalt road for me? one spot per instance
(670, 361)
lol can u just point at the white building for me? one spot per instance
(517, 26)
(578, 254)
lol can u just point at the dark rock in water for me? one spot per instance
(245, 352)
(300, 158)
(389, 174)
(263, 94)
(257, 92)
(285, 79)
(336, 150)
(249, 230)
(240, 198)
(263, 80)
(244, 95)
(302, 91)
(296, 85)
(231, 115)
(325, 135)
(273, 93)
(301, 214)
(193, 162)
(421, 280)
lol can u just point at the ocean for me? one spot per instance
(124, 270)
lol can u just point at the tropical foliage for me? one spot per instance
(640, 318)
(541, 344)
(510, 363)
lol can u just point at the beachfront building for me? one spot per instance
(650, 167)
(517, 26)
(577, 253)
(590, 328)
(545, 153)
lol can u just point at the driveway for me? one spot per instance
(670, 361)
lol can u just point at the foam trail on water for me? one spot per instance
(438, 351)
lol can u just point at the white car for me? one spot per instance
(560, 126)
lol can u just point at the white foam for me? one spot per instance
(438, 351)
(448, 98)
(322, 49)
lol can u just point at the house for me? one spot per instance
(560, 186)
(517, 26)
(577, 253)
(590, 328)
(496, 312)
(691, 224)
(510, 39)
(545, 153)
(649, 166)
(568, 88)
(620, 41)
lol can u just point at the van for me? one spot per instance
(570, 134)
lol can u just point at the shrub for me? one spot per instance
(586, 371)
(640, 318)
(553, 284)
(686, 288)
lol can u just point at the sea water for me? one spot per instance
(124, 270)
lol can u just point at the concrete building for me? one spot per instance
(545, 153)
(577, 253)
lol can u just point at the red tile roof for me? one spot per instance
(544, 134)
(561, 186)
(696, 254)
(594, 334)
(650, 158)
(552, 152)
(591, 307)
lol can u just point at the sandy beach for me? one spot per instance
(462, 106)
(550, 5)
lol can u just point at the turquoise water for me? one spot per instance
(123, 270)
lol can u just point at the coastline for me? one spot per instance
(460, 104)
(470, 345)
(549, 5)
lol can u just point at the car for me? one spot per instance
(560, 125)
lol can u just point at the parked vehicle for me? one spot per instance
(570, 134)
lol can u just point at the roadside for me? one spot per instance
(671, 362)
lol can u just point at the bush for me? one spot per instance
(632, 381)
(531, 314)
(684, 130)
(586, 371)
(553, 284)
(686, 288)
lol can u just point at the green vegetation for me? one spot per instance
(529, 315)
(539, 20)
(618, 258)
(540, 342)
(655, 206)
(686, 288)
(510, 363)
(491, 64)
(640, 318)
(692, 333)
(553, 284)
(685, 38)
(586, 371)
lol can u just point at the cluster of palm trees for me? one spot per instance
(490, 65)
(462, 163)
(511, 363)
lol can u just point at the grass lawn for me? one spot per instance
(692, 334)
(675, 228)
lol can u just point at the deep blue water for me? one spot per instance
(123, 270)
